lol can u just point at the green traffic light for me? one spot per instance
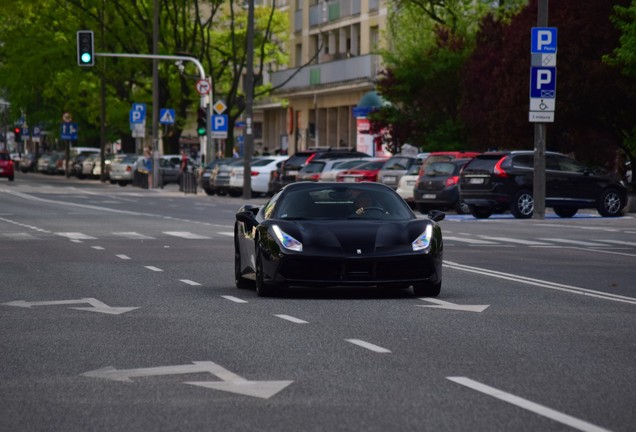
(86, 58)
(201, 131)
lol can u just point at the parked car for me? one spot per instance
(7, 166)
(396, 166)
(437, 186)
(315, 234)
(406, 184)
(122, 169)
(88, 165)
(260, 170)
(170, 167)
(220, 177)
(292, 166)
(501, 181)
(330, 175)
(28, 162)
(205, 174)
(313, 170)
(368, 172)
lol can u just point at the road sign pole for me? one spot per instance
(538, 191)
(209, 148)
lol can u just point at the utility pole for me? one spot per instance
(155, 96)
(538, 191)
(249, 102)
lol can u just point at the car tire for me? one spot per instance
(522, 205)
(208, 191)
(11, 178)
(262, 289)
(426, 289)
(481, 212)
(610, 204)
(122, 183)
(462, 208)
(565, 212)
(239, 280)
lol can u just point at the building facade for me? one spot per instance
(333, 64)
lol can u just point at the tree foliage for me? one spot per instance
(595, 105)
(430, 40)
(40, 76)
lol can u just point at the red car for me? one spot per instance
(365, 172)
(7, 168)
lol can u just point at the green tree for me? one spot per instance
(47, 82)
(430, 41)
(595, 103)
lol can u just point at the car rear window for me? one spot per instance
(482, 164)
(313, 167)
(440, 169)
(398, 163)
(297, 160)
(4, 156)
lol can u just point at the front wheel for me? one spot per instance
(522, 204)
(262, 289)
(610, 203)
(239, 280)
(426, 289)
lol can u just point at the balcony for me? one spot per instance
(355, 68)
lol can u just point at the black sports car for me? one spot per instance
(337, 235)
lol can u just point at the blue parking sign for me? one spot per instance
(543, 82)
(219, 123)
(543, 40)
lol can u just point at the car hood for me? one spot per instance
(355, 236)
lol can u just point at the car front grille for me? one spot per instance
(372, 270)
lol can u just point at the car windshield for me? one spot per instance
(359, 201)
(440, 169)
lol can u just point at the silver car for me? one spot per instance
(122, 169)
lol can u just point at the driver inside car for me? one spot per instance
(366, 201)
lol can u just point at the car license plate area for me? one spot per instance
(429, 196)
(389, 179)
(358, 270)
(476, 180)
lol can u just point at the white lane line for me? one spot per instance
(76, 241)
(133, 235)
(76, 236)
(189, 282)
(20, 236)
(529, 405)
(124, 257)
(97, 247)
(517, 241)
(155, 269)
(186, 235)
(226, 233)
(573, 242)
(541, 283)
(234, 299)
(619, 242)
(469, 241)
(368, 346)
(291, 318)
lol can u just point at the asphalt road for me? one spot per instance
(118, 311)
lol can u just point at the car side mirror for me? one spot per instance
(436, 215)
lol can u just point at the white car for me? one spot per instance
(260, 170)
(407, 184)
(89, 163)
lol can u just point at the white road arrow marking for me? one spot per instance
(96, 305)
(441, 304)
(230, 381)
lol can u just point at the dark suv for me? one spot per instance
(501, 181)
(291, 167)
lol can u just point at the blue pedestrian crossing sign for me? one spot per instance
(543, 82)
(166, 116)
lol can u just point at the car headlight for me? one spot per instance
(423, 241)
(287, 241)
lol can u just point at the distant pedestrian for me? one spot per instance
(183, 169)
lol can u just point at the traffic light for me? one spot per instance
(85, 47)
(202, 122)
(17, 134)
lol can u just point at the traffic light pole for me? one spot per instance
(539, 182)
(205, 99)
